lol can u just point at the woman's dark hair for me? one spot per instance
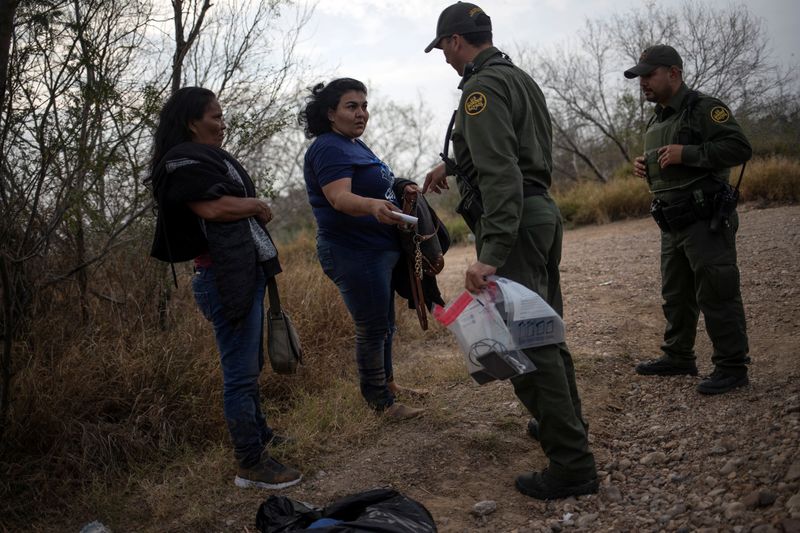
(185, 105)
(314, 116)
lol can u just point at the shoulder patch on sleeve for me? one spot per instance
(720, 114)
(475, 103)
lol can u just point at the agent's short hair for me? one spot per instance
(314, 116)
(478, 38)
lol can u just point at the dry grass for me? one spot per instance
(102, 406)
(592, 202)
(774, 179)
(91, 402)
(324, 422)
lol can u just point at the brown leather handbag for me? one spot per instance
(424, 246)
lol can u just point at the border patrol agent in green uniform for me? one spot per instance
(692, 141)
(502, 141)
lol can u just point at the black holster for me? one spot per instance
(682, 213)
(679, 215)
(656, 211)
(470, 207)
(724, 205)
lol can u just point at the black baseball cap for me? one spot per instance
(460, 18)
(660, 55)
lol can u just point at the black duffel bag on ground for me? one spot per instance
(377, 511)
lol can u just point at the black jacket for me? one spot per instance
(192, 172)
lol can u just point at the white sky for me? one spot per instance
(381, 42)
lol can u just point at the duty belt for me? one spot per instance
(533, 189)
(683, 212)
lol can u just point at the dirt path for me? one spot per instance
(669, 457)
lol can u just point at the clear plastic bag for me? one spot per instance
(530, 319)
(483, 336)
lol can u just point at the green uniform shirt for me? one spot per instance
(502, 138)
(712, 143)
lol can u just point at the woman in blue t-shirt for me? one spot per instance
(350, 192)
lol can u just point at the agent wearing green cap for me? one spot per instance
(502, 142)
(692, 141)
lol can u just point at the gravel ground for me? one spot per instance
(670, 458)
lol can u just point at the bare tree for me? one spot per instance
(403, 135)
(237, 49)
(8, 10)
(191, 20)
(58, 150)
(725, 51)
(599, 116)
(81, 92)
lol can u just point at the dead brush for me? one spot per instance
(97, 402)
(770, 180)
(323, 421)
(591, 202)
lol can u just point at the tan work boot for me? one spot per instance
(267, 474)
(398, 411)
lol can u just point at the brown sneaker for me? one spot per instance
(267, 474)
(398, 411)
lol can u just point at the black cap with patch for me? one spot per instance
(660, 55)
(460, 18)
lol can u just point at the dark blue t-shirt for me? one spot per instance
(332, 157)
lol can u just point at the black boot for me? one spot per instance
(544, 486)
(720, 382)
(665, 367)
(533, 429)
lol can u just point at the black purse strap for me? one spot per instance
(274, 297)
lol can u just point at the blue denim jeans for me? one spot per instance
(364, 277)
(242, 357)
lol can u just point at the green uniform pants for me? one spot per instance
(699, 273)
(549, 393)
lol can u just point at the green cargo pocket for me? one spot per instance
(723, 280)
